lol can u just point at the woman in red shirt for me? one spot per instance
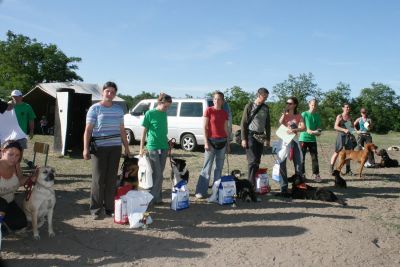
(215, 143)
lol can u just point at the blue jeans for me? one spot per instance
(205, 174)
(298, 166)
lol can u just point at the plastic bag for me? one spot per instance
(145, 173)
(180, 196)
(262, 182)
(276, 175)
(137, 203)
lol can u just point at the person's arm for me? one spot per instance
(244, 125)
(337, 127)
(268, 129)
(142, 141)
(357, 121)
(86, 140)
(205, 129)
(124, 139)
(31, 128)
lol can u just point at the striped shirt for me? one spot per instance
(106, 121)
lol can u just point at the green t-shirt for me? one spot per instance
(24, 114)
(156, 123)
(312, 122)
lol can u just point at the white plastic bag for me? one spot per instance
(180, 196)
(137, 203)
(214, 194)
(276, 175)
(145, 173)
(262, 182)
(227, 190)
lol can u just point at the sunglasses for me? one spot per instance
(363, 112)
(290, 103)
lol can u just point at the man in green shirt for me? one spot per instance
(25, 115)
(308, 138)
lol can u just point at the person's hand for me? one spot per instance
(141, 152)
(127, 152)
(206, 146)
(10, 106)
(346, 131)
(310, 131)
(244, 143)
(228, 148)
(86, 154)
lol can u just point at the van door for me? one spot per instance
(191, 124)
(173, 122)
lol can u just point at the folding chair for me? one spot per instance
(40, 148)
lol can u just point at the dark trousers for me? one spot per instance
(253, 153)
(312, 147)
(297, 163)
(105, 164)
(366, 139)
(14, 216)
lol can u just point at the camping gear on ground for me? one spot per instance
(136, 205)
(145, 173)
(226, 190)
(180, 196)
(262, 182)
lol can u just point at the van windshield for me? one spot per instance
(141, 109)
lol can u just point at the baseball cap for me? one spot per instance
(16, 93)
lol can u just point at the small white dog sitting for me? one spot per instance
(41, 202)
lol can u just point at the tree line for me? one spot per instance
(25, 62)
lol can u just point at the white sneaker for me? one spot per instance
(199, 196)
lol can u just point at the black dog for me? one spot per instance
(129, 174)
(339, 181)
(305, 191)
(244, 189)
(179, 171)
(386, 161)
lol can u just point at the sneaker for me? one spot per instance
(317, 178)
(199, 196)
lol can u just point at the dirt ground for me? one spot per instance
(274, 232)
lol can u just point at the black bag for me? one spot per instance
(92, 146)
(217, 144)
(260, 138)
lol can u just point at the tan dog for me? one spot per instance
(360, 156)
(41, 202)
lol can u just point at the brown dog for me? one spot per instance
(360, 156)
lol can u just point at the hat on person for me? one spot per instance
(16, 93)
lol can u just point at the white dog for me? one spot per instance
(41, 202)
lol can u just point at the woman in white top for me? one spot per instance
(11, 179)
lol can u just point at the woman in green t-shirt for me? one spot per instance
(308, 138)
(156, 130)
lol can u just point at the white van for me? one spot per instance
(185, 121)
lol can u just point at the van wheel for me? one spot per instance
(188, 142)
(129, 136)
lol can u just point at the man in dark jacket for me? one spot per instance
(255, 131)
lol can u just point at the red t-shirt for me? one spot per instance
(289, 119)
(216, 122)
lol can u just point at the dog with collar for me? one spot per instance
(179, 171)
(41, 202)
(244, 189)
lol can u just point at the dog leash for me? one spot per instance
(171, 144)
(28, 188)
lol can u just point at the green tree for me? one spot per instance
(25, 62)
(237, 99)
(332, 102)
(383, 106)
(132, 101)
(302, 87)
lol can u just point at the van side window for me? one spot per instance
(141, 109)
(190, 109)
(173, 109)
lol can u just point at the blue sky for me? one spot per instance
(195, 47)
